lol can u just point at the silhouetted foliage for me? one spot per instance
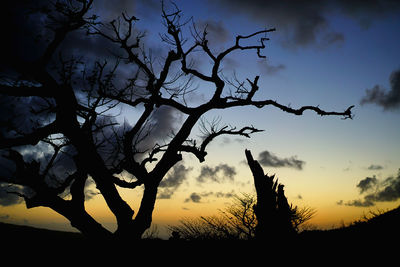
(237, 221)
(61, 96)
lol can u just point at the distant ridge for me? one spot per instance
(21, 233)
(380, 227)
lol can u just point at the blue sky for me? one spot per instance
(325, 53)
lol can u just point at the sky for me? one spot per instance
(331, 54)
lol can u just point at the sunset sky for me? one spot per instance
(331, 54)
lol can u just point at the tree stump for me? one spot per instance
(273, 212)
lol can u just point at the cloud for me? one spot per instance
(388, 100)
(268, 69)
(163, 123)
(197, 197)
(176, 176)
(7, 199)
(218, 194)
(357, 203)
(332, 38)
(305, 23)
(387, 190)
(367, 183)
(218, 174)
(223, 195)
(194, 197)
(269, 159)
(174, 179)
(375, 167)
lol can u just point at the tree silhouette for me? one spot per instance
(70, 131)
(275, 217)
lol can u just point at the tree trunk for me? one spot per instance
(143, 219)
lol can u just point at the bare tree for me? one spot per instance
(75, 121)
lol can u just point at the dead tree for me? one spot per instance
(78, 102)
(273, 212)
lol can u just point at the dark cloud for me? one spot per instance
(268, 69)
(375, 167)
(176, 176)
(7, 198)
(367, 184)
(269, 159)
(197, 197)
(387, 99)
(174, 179)
(162, 125)
(332, 38)
(62, 167)
(218, 174)
(19, 113)
(24, 24)
(194, 197)
(223, 195)
(303, 23)
(357, 203)
(387, 190)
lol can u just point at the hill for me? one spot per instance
(21, 234)
(383, 228)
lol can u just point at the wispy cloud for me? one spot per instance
(197, 197)
(375, 167)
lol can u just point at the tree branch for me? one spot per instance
(31, 138)
(74, 21)
(245, 131)
(125, 184)
(200, 152)
(27, 91)
(347, 114)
